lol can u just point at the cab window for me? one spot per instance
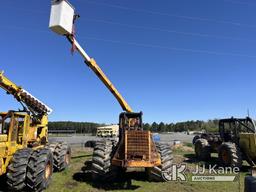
(5, 124)
(18, 129)
(1, 125)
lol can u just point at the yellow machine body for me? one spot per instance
(137, 150)
(248, 145)
(21, 129)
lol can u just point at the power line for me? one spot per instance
(141, 44)
(237, 24)
(169, 48)
(154, 28)
(168, 30)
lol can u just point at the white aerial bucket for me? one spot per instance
(62, 15)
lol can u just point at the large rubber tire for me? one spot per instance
(164, 171)
(195, 139)
(17, 170)
(101, 161)
(202, 149)
(230, 155)
(40, 168)
(249, 184)
(61, 155)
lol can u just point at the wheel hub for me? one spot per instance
(48, 171)
(67, 158)
(225, 156)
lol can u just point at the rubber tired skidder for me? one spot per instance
(135, 147)
(235, 142)
(26, 157)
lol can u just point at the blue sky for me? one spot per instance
(174, 60)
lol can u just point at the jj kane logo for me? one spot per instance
(202, 173)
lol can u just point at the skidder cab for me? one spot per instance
(13, 129)
(136, 148)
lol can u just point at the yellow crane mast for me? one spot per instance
(101, 75)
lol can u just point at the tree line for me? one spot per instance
(89, 127)
(78, 127)
(210, 126)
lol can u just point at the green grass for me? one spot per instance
(189, 145)
(75, 180)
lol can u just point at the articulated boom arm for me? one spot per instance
(33, 104)
(97, 70)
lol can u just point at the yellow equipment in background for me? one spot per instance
(24, 148)
(109, 131)
(235, 142)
